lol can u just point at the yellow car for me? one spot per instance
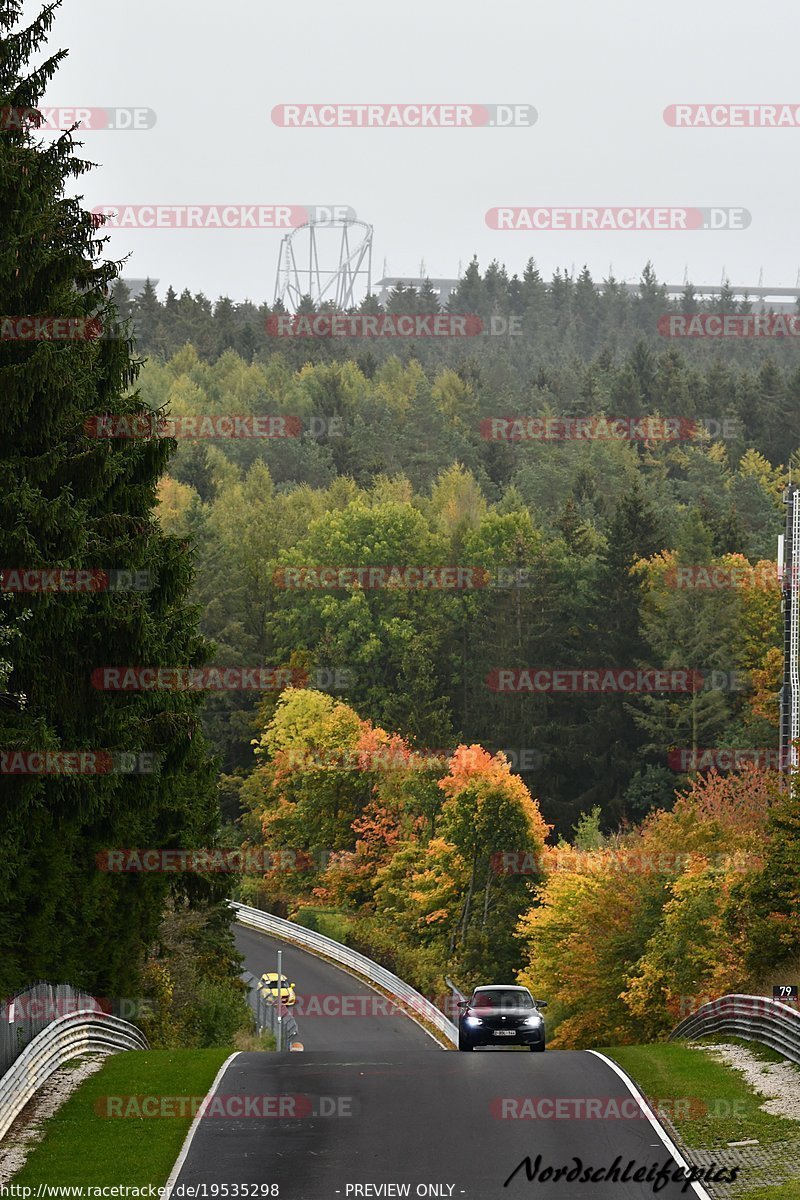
(269, 985)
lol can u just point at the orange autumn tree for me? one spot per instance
(332, 788)
(592, 918)
(717, 832)
(488, 811)
(624, 934)
(691, 957)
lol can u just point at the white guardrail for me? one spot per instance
(67, 1037)
(754, 1018)
(407, 998)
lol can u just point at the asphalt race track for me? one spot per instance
(317, 980)
(375, 1101)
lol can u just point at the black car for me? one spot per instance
(501, 1014)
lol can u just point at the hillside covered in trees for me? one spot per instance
(397, 779)
(580, 541)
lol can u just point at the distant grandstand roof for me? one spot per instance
(770, 297)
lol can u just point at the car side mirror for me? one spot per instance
(540, 1003)
(463, 1004)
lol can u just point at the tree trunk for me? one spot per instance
(486, 893)
(470, 890)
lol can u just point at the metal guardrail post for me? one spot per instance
(278, 1035)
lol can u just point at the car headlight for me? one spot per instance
(474, 1021)
(533, 1021)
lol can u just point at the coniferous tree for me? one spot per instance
(633, 533)
(147, 317)
(71, 500)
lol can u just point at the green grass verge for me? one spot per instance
(82, 1147)
(708, 1103)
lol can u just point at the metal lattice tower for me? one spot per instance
(789, 557)
(339, 256)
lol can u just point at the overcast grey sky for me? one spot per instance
(599, 76)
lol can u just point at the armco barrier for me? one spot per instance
(754, 1018)
(27, 1013)
(63, 1039)
(406, 997)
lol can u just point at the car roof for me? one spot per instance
(506, 987)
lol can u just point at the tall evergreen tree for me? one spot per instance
(147, 317)
(71, 500)
(633, 533)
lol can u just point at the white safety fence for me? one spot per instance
(407, 997)
(65, 1038)
(754, 1018)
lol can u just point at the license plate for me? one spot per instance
(504, 1032)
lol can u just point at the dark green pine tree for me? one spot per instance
(370, 304)
(72, 500)
(428, 298)
(401, 299)
(470, 295)
(587, 313)
(688, 303)
(121, 296)
(224, 326)
(652, 302)
(633, 533)
(147, 313)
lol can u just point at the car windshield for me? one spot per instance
(501, 998)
